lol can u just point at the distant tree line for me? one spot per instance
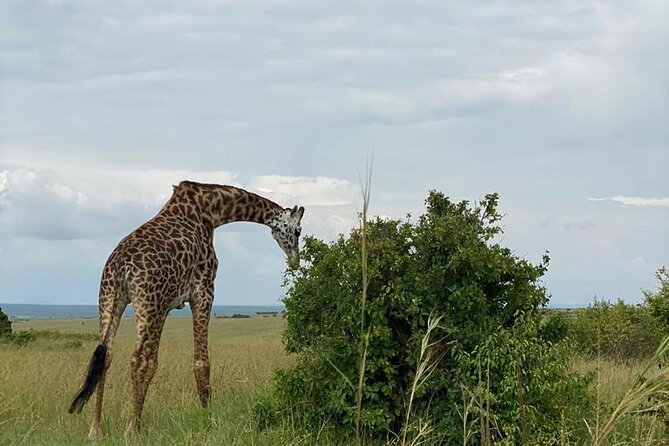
(616, 330)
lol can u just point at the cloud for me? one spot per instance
(589, 80)
(449, 98)
(314, 191)
(330, 202)
(578, 225)
(67, 202)
(639, 261)
(4, 179)
(636, 201)
(42, 204)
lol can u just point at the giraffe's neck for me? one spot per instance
(217, 205)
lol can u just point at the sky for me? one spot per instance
(562, 107)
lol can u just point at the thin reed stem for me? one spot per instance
(364, 332)
(521, 402)
(424, 368)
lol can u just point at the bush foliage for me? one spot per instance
(658, 301)
(494, 372)
(616, 330)
(47, 338)
(620, 331)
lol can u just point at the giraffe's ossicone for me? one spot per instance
(163, 264)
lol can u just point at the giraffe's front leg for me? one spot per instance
(201, 308)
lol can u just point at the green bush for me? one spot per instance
(490, 363)
(5, 325)
(20, 338)
(658, 301)
(553, 326)
(48, 338)
(618, 331)
(658, 306)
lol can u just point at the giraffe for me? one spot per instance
(163, 264)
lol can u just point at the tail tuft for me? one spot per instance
(95, 369)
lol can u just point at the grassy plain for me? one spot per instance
(38, 381)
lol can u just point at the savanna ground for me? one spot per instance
(37, 382)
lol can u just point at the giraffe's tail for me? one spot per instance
(95, 369)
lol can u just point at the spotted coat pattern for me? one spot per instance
(170, 260)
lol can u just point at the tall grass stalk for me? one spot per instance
(366, 186)
(521, 401)
(645, 388)
(478, 398)
(486, 434)
(424, 368)
(599, 373)
(467, 406)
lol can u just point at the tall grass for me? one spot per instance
(648, 394)
(424, 368)
(37, 382)
(366, 187)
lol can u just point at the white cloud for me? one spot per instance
(3, 181)
(522, 74)
(67, 202)
(329, 202)
(148, 187)
(176, 20)
(308, 191)
(636, 201)
(591, 80)
(639, 261)
(82, 202)
(450, 97)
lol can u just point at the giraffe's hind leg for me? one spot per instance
(95, 432)
(201, 308)
(144, 362)
(110, 318)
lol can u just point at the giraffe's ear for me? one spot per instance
(297, 212)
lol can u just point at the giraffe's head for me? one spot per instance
(286, 231)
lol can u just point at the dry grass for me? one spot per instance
(631, 399)
(38, 381)
(37, 384)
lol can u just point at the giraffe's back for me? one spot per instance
(158, 265)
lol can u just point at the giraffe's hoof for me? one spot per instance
(133, 428)
(205, 398)
(95, 433)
